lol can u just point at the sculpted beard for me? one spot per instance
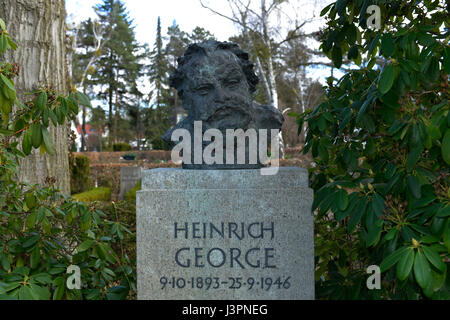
(221, 115)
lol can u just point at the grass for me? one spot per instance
(97, 194)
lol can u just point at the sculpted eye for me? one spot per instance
(204, 89)
(232, 82)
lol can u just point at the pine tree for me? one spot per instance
(176, 46)
(88, 43)
(158, 67)
(159, 114)
(200, 34)
(119, 66)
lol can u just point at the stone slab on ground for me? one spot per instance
(129, 176)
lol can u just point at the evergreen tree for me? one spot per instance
(158, 117)
(200, 34)
(158, 67)
(88, 43)
(119, 66)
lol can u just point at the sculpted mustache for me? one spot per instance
(230, 109)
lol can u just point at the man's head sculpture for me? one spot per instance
(216, 82)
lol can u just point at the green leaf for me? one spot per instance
(391, 234)
(41, 293)
(387, 79)
(8, 82)
(43, 278)
(36, 135)
(445, 147)
(53, 117)
(64, 106)
(405, 264)
(2, 25)
(407, 234)
(387, 45)
(446, 63)
(25, 293)
(117, 293)
(323, 152)
(352, 201)
(432, 73)
(45, 116)
(378, 204)
(393, 258)
(413, 157)
(27, 143)
(5, 263)
(414, 186)
(336, 56)
(425, 39)
(11, 44)
(434, 132)
(446, 237)
(434, 258)
(35, 257)
(85, 245)
(364, 108)
(30, 200)
(374, 233)
(59, 292)
(438, 278)
(31, 241)
(83, 99)
(353, 53)
(422, 270)
(48, 141)
(357, 213)
(372, 46)
(443, 212)
(3, 43)
(342, 199)
(31, 220)
(326, 9)
(41, 101)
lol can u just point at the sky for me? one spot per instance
(189, 13)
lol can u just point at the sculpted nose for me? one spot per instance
(219, 94)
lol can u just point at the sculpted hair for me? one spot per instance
(202, 49)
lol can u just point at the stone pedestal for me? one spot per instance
(225, 234)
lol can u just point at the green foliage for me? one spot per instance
(131, 194)
(119, 64)
(43, 231)
(121, 147)
(97, 194)
(159, 144)
(130, 156)
(123, 212)
(381, 144)
(80, 174)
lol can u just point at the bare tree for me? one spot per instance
(97, 45)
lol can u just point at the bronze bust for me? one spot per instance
(216, 82)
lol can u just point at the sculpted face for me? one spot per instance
(215, 81)
(216, 92)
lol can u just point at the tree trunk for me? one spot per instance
(116, 109)
(270, 72)
(38, 28)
